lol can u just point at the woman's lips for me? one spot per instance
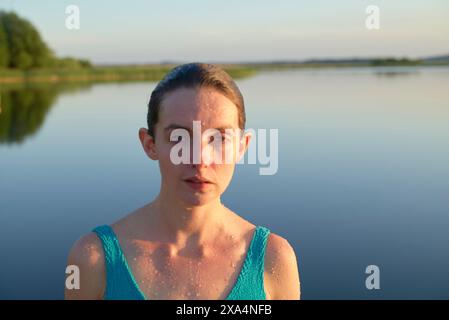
(197, 184)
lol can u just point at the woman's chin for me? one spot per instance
(198, 198)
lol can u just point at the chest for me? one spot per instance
(163, 277)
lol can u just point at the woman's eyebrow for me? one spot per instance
(178, 126)
(224, 128)
(175, 126)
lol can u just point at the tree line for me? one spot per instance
(22, 47)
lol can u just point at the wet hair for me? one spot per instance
(193, 75)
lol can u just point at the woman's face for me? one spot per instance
(206, 178)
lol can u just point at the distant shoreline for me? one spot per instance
(102, 74)
(155, 72)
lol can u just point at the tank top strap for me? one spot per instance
(119, 279)
(112, 251)
(250, 283)
(256, 251)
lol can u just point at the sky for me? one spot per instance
(138, 31)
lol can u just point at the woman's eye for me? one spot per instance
(175, 139)
(223, 139)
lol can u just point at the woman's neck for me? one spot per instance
(195, 224)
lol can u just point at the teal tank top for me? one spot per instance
(121, 285)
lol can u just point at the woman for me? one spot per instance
(186, 244)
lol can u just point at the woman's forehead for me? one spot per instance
(213, 109)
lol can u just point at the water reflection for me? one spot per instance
(23, 108)
(395, 73)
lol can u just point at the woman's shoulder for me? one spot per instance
(87, 256)
(277, 249)
(280, 264)
(281, 268)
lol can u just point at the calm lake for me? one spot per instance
(363, 176)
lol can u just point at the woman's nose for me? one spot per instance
(208, 154)
(205, 153)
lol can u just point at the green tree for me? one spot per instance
(25, 47)
(4, 54)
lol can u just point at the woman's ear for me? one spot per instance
(244, 143)
(148, 143)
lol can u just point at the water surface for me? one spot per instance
(363, 177)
